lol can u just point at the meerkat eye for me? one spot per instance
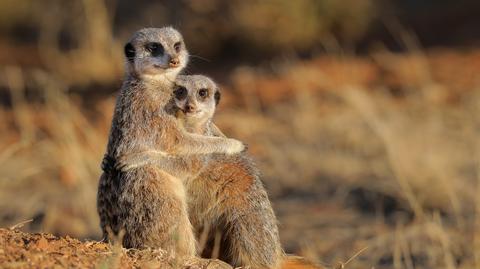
(180, 93)
(156, 49)
(177, 46)
(203, 93)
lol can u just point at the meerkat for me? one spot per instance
(194, 116)
(147, 203)
(226, 195)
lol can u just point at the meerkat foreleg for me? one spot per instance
(182, 143)
(133, 160)
(190, 144)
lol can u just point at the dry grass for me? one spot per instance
(51, 147)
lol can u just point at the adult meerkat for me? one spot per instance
(146, 202)
(227, 195)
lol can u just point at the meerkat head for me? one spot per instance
(196, 96)
(156, 53)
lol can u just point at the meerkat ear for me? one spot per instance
(217, 96)
(129, 51)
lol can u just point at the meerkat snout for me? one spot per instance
(190, 107)
(174, 62)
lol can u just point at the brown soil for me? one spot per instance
(42, 250)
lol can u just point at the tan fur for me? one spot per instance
(146, 201)
(227, 194)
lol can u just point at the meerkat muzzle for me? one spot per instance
(190, 108)
(174, 62)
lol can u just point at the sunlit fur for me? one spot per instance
(204, 108)
(224, 192)
(228, 195)
(145, 66)
(147, 202)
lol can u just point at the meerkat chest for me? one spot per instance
(153, 105)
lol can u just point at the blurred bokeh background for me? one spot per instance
(363, 115)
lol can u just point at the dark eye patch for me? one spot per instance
(129, 51)
(180, 93)
(155, 48)
(203, 93)
(177, 46)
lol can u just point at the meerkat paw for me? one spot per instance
(235, 147)
(108, 163)
(124, 166)
(134, 160)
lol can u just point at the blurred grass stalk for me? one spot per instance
(56, 143)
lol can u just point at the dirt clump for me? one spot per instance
(43, 250)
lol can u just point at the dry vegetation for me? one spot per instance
(380, 152)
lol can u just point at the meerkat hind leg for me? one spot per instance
(252, 230)
(156, 212)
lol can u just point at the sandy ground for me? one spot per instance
(43, 250)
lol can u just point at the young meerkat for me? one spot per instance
(226, 196)
(146, 202)
(193, 116)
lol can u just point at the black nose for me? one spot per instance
(174, 62)
(189, 107)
